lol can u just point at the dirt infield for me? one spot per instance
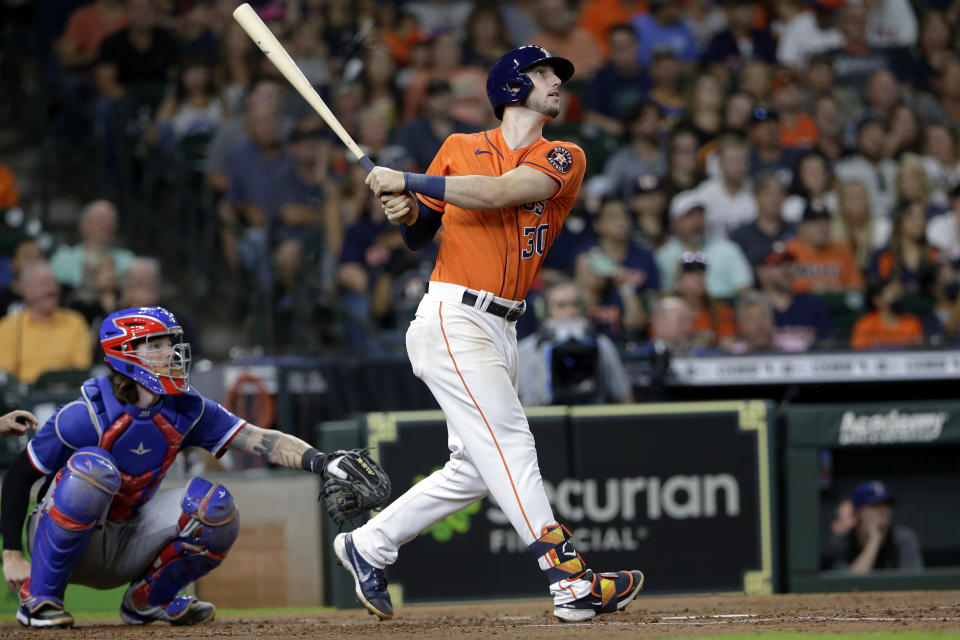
(924, 611)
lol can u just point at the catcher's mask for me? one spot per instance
(146, 345)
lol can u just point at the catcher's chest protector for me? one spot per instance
(144, 442)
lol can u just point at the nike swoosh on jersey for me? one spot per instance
(478, 152)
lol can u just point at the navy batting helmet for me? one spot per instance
(507, 84)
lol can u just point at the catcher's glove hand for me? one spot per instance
(353, 484)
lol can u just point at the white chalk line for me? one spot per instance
(734, 619)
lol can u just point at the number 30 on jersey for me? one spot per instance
(535, 240)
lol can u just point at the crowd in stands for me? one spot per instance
(778, 175)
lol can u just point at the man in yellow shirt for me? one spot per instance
(44, 336)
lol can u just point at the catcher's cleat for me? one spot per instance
(181, 611)
(609, 592)
(371, 583)
(43, 612)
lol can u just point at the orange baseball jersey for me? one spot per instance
(501, 250)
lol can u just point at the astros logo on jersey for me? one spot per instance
(560, 159)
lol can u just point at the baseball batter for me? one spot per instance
(502, 197)
(99, 521)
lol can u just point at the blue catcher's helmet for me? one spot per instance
(166, 372)
(507, 84)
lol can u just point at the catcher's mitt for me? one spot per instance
(364, 487)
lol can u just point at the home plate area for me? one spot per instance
(933, 612)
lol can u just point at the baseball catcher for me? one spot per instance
(100, 521)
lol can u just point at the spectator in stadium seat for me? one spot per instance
(422, 136)
(25, 252)
(663, 26)
(635, 265)
(829, 121)
(618, 85)
(135, 63)
(869, 166)
(822, 266)
(798, 131)
(812, 182)
(801, 319)
(948, 86)
(600, 17)
(941, 161)
(713, 321)
(75, 266)
(903, 139)
(666, 86)
(728, 197)
(919, 65)
(754, 324)
(886, 325)
(914, 187)
(671, 328)
(648, 206)
(562, 36)
(943, 231)
(86, 29)
(809, 33)
(855, 227)
(43, 336)
(101, 298)
(193, 109)
(891, 23)
(566, 361)
(942, 325)
(737, 112)
(704, 113)
(740, 41)
(907, 254)
(467, 83)
(755, 80)
(245, 212)
(683, 166)
(642, 155)
(856, 59)
(882, 97)
(871, 539)
(487, 38)
(768, 154)
(264, 96)
(614, 272)
(758, 238)
(729, 270)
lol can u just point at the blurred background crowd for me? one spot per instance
(770, 176)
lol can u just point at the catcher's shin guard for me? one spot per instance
(208, 527)
(579, 593)
(68, 517)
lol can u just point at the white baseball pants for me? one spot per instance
(468, 359)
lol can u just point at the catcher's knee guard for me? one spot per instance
(79, 499)
(208, 526)
(556, 554)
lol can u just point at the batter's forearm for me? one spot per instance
(476, 192)
(277, 447)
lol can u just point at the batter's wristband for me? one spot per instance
(430, 186)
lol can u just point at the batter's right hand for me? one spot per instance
(401, 208)
(16, 569)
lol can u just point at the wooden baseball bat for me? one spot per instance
(271, 47)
